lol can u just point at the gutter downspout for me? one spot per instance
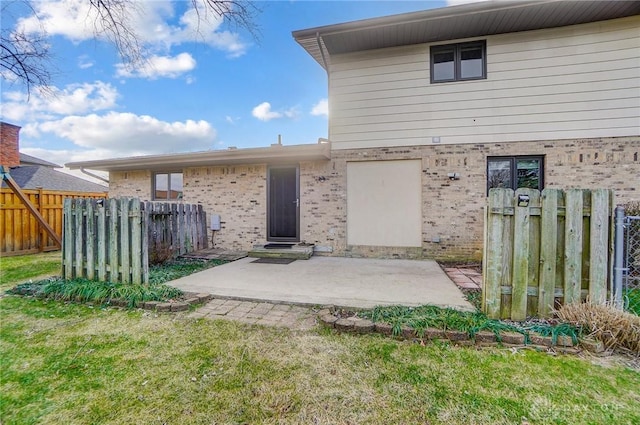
(95, 176)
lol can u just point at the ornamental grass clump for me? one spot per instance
(615, 328)
(84, 290)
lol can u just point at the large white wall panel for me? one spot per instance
(384, 203)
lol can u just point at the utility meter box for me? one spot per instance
(215, 221)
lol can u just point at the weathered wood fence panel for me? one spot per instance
(175, 229)
(545, 249)
(110, 240)
(20, 232)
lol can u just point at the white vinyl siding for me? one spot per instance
(581, 81)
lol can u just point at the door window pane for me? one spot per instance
(499, 173)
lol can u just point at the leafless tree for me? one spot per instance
(27, 58)
(24, 57)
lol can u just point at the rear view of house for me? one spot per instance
(428, 110)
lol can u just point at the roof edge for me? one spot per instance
(423, 15)
(274, 154)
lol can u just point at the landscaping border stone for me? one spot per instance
(334, 319)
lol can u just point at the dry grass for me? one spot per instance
(615, 328)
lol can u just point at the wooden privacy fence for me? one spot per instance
(20, 232)
(109, 240)
(175, 229)
(545, 249)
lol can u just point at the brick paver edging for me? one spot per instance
(564, 344)
(190, 298)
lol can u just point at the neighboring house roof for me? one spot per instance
(274, 154)
(32, 160)
(38, 176)
(456, 22)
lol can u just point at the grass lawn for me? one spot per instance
(24, 267)
(65, 363)
(73, 364)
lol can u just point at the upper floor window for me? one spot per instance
(515, 172)
(167, 186)
(457, 62)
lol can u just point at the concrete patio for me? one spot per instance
(344, 282)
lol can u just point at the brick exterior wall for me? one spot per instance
(9, 145)
(135, 184)
(452, 210)
(239, 195)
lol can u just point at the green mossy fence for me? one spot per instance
(544, 249)
(110, 240)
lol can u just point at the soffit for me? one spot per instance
(457, 22)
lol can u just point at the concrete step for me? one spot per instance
(296, 252)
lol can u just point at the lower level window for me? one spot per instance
(515, 172)
(167, 186)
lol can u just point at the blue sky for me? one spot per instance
(211, 90)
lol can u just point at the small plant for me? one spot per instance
(632, 300)
(427, 316)
(175, 269)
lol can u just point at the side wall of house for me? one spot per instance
(238, 194)
(452, 211)
(572, 82)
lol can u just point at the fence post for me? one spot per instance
(618, 266)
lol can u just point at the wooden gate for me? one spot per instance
(545, 249)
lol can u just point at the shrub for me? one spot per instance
(632, 208)
(160, 254)
(615, 328)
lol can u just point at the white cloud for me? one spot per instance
(64, 156)
(159, 66)
(321, 108)
(263, 112)
(77, 21)
(292, 113)
(231, 120)
(125, 134)
(73, 99)
(84, 62)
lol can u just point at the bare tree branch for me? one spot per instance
(26, 57)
